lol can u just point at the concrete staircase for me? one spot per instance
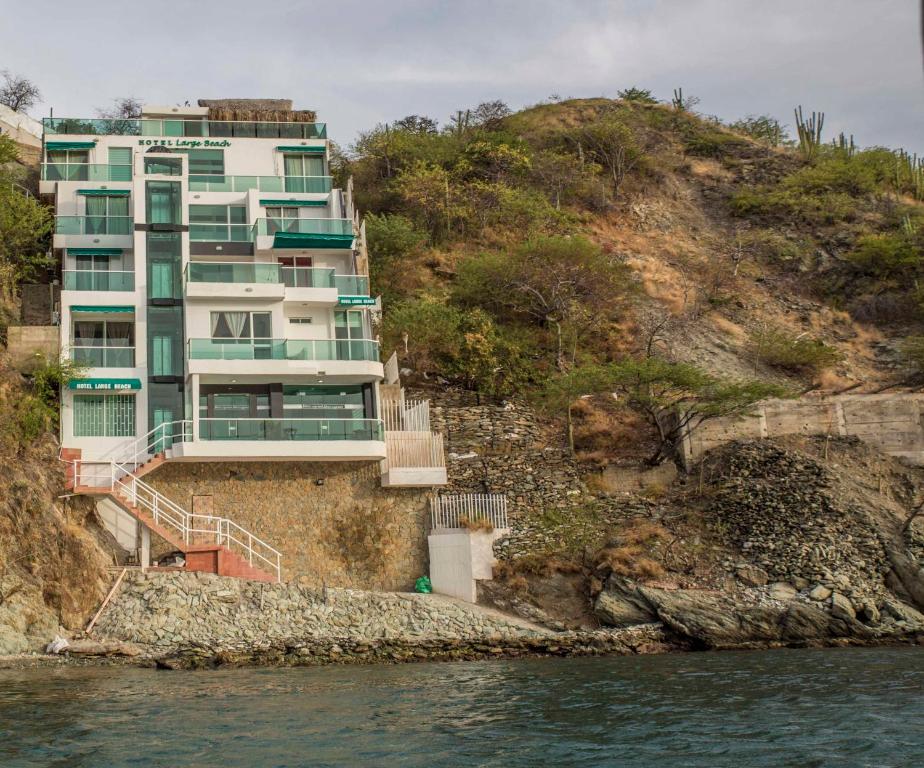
(209, 543)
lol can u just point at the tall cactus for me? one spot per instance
(678, 103)
(809, 132)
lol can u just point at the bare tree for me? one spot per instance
(611, 144)
(123, 108)
(18, 93)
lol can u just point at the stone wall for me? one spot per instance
(332, 521)
(891, 422)
(26, 344)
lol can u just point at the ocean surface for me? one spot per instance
(805, 708)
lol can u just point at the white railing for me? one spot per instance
(190, 528)
(413, 450)
(404, 415)
(453, 511)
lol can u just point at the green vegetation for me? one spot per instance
(795, 354)
(36, 411)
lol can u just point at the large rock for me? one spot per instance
(841, 607)
(619, 606)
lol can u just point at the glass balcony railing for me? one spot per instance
(352, 285)
(290, 429)
(312, 184)
(291, 277)
(305, 226)
(87, 280)
(93, 225)
(85, 172)
(104, 357)
(180, 127)
(284, 349)
(221, 233)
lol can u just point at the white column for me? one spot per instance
(145, 547)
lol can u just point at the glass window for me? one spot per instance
(164, 256)
(165, 166)
(165, 342)
(107, 215)
(205, 162)
(242, 325)
(323, 402)
(281, 219)
(162, 357)
(104, 415)
(120, 164)
(348, 324)
(163, 202)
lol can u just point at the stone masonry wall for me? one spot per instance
(347, 531)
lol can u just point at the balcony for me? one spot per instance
(267, 281)
(178, 127)
(87, 280)
(104, 357)
(290, 429)
(85, 172)
(284, 349)
(294, 184)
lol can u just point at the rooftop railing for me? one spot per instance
(284, 349)
(294, 184)
(93, 225)
(170, 127)
(85, 172)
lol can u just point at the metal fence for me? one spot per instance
(461, 510)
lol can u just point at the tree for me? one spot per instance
(123, 108)
(553, 281)
(489, 114)
(557, 172)
(638, 95)
(391, 238)
(25, 226)
(416, 124)
(611, 144)
(676, 398)
(17, 92)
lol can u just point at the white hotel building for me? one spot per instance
(215, 285)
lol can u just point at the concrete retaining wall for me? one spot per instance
(26, 343)
(891, 422)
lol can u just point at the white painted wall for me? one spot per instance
(459, 558)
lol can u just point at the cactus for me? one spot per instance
(677, 101)
(846, 146)
(809, 132)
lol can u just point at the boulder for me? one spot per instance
(752, 575)
(782, 591)
(820, 592)
(902, 612)
(842, 608)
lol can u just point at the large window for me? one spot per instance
(107, 215)
(205, 162)
(225, 223)
(244, 326)
(297, 167)
(104, 415)
(163, 202)
(120, 164)
(281, 219)
(319, 402)
(164, 259)
(104, 343)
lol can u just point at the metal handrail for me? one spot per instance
(448, 511)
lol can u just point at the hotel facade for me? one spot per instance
(215, 291)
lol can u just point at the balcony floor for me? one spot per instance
(279, 450)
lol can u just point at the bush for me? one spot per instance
(835, 173)
(780, 349)
(885, 255)
(763, 128)
(782, 203)
(638, 95)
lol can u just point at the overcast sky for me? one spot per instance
(359, 63)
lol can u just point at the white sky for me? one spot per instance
(359, 63)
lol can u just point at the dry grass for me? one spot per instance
(476, 524)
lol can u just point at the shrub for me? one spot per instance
(783, 203)
(763, 128)
(638, 95)
(780, 349)
(835, 172)
(884, 255)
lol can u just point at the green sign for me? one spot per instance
(352, 301)
(104, 385)
(185, 143)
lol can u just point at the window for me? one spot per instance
(164, 166)
(297, 167)
(281, 219)
(162, 356)
(314, 402)
(120, 164)
(104, 415)
(163, 202)
(226, 223)
(104, 343)
(348, 324)
(296, 272)
(301, 320)
(242, 325)
(92, 273)
(68, 165)
(164, 257)
(204, 162)
(107, 215)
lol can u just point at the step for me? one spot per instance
(224, 562)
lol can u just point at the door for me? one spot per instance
(162, 439)
(296, 271)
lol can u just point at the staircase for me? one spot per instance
(209, 543)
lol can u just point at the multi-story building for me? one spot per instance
(215, 286)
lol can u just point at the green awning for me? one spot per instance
(301, 148)
(300, 203)
(104, 192)
(95, 251)
(304, 240)
(110, 308)
(69, 145)
(104, 385)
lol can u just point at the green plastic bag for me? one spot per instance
(423, 585)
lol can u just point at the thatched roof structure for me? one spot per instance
(263, 110)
